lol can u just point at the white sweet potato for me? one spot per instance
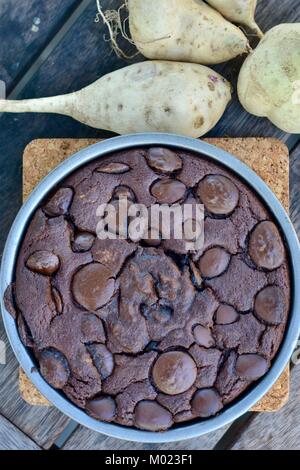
(184, 30)
(238, 11)
(156, 96)
(269, 81)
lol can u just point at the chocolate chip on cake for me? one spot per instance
(57, 300)
(168, 191)
(214, 262)
(203, 336)
(219, 194)
(266, 248)
(102, 359)
(59, 203)
(226, 315)
(140, 331)
(54, 368)
(43, 262)
(251, 366)
(102, 408)
(271, 305)
(163, 160)
(93, 286)
(151, 416)
(196, 276)
(113, 168)
(174, 372)
(83, 241)
(206, 402)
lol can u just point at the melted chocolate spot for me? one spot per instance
(113, 168)
(219, 194)
(203, 337)
(83, 241)
(251, 366)
(214, 262)
(57, 300)
(163, 160)
(226, 315)
(265, 246)
(102, 358)
(151, 416)
(167, 191)
(93, 286)
(103, 408)
(43, 262)
(206, 402)
(174, 372)
(54, 368)
(270, 305)
(59, 203)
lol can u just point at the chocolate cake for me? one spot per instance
(146, 332)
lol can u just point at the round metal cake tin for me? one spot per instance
(241, 405)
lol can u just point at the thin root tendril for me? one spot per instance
(116, 25)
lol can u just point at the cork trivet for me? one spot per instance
(268, 157)
(28, 391)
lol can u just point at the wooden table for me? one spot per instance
(52, 47)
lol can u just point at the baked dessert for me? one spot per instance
(146, 333)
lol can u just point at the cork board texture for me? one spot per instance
(269, 158)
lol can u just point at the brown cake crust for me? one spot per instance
(113, 322)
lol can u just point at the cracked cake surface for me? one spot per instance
(146, 333)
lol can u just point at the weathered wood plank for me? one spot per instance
(11, 438)
(295, 188)
(275, 431)
(42, 424)
(84, 439)
(82, 57)
(25, 28)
